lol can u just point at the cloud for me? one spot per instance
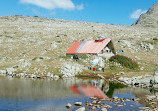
(53, 4)
(136, 14)
(80, 7)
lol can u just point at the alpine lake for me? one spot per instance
(53, 95)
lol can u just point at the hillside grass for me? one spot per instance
(30, 38)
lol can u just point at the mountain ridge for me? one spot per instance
(150, 18)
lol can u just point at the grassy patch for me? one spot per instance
(8, 36)
(83, 56)
(15, 67)
(90, 73)
(124, 61)
(66, 57)
(56, 71)
(59, 41)
(151, 42)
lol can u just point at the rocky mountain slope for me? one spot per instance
(150, 18)
(36, 45)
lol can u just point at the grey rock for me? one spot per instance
(3, 71)
(81, 109)
(78, 103)
(68, 105)
(56, 77)
(10, 71)
(154, 79)
(150, 18)
(71, 69)
(115, 97)
(103, 109)
(119, 105)
(33, 76)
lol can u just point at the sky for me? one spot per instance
(118, 12)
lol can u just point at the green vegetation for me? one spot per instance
(34, 58)
(66, 57)
(155, 39)
(59, 41)
(15, 67)
(41, 58)
(8, 36)
(37, 58)
(83, 56)
(150, 42)
(56, 71)
(124, 61)
(24, 53)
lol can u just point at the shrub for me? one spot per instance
(41, 58)
(34, 58)
(156, 39)
(124, 61)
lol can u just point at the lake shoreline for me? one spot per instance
(131, 81)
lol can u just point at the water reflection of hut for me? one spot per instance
(88, 90)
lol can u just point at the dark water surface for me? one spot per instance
(50, 95)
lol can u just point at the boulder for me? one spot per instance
(154, 79)
(94, 102)
(78, 103)
(103, 109)
(10, 71)
(119, 105)
(98, 61)
(68, 105)
(115, 97)
(56, 77)
(81, 109)
(3, 71)
(33, 76)
(54, 45)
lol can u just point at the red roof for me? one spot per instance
(73, 48)
(91, 47)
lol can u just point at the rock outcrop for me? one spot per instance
(150, 18)
(71, 69)
(142, 81)
(154, 80)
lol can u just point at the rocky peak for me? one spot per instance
(150, 18)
